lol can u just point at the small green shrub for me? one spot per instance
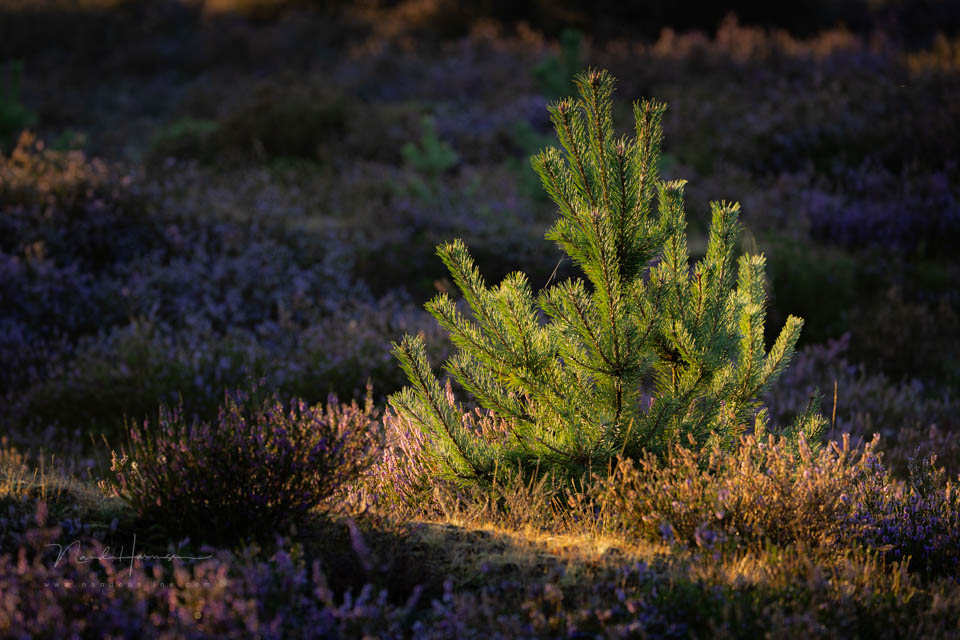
(14, 115)
(429, 161)
(646, 354)
(184, 138)
(554, 75)
(69, 140)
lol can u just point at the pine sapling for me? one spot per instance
(644, 353)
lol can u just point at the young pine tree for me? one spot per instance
(645, 353)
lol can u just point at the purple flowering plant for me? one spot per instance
(261, 465)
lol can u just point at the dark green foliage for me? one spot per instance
(645, 354)
(433, 157)
(554, 75)
(14, 115)
(883, 345)
(184, 138)
(818, 282)
(282, 117)
(429, 160)
(524, 136)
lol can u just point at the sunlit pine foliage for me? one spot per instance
(644, 353)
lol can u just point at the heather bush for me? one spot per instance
(917, 519)
(66, 222)
(775, 492)
(43, 307)
(368, 216)
(350, 347)
(287, 595)
(743, 598)
(259, 466)
(487, 133)
(943, 56)
(762, 493)
(225, 279)
(79, 225)
(774, 103)
(34, 175)
(109, 309)
(931, 309)
(129, 370)
(48, 299)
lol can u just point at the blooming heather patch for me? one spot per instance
(407, 480)
(772, 492)
(113, 301)
(878, 207)
(224, 596)
(259, 466)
